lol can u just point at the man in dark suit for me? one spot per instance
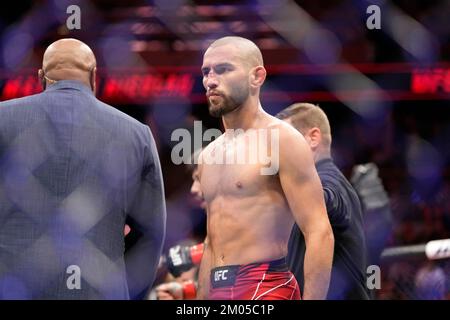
(73, 171)
(348, 275)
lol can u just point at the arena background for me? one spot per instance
(386, 92)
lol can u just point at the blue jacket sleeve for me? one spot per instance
(147, 219)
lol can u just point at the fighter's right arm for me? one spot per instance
(304, 194)
(204, 272)
(205, 264)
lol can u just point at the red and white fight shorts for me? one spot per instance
(256, 281)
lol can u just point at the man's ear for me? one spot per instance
(258, 76)
(41, 78)
(93, 80)
(315, 137)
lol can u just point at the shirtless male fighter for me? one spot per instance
(250, 213)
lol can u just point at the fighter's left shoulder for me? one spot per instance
(294, 153)
(289, 137)
(285, 130)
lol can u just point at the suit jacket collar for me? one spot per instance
(69, 84)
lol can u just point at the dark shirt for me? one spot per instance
(348, 276)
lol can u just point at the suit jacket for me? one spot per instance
(73, 171)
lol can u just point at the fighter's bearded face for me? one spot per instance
(226, 80)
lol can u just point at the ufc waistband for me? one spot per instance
(256, 281)
(226, 276)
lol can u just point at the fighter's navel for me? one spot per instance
(239, 185)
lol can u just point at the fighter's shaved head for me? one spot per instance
(248, 49)
(233, 74)
(68, 59)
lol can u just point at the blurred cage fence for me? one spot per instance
(416, 272)
(385, 91)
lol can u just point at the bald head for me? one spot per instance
(69, 59)
(247, 49)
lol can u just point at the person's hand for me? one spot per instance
(169, 291)
(368, 185)
(126, 230)
(183, 258)
(176, 291)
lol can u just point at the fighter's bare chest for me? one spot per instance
(236, 178)
(231, 178)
